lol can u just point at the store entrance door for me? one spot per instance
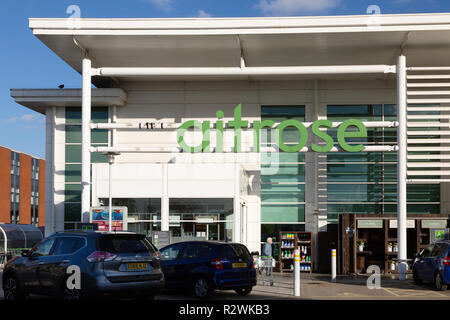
(207, 231)
(190, 230)
(201, 231)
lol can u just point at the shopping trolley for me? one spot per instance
(266, 270)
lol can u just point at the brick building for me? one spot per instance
(22, 188)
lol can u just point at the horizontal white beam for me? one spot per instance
(428, 164)
(428, 116)
(428, 93)
(429, 69)
(426, 124)
(425, 141)
(429, 133)
(429, 85)
(247, 71)
(425, 149)
(225, 149)
(425, 101)
(431, 108)
(428, 173)
(426, 181)
(428, 76)
(171, 125)
(429, 156)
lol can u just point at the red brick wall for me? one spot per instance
(5, 184)
(25, 189)
(41, 207)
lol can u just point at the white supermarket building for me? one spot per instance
(392, 73)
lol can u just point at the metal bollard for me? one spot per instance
(297, 273)
(333, 265)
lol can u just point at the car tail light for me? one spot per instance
(100, 256)
(446, 261)
(157, 255)
(217, 263)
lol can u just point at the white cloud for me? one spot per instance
(291, 7)
(32, 126)
(28, 117)
(164, 5)
(203, 14)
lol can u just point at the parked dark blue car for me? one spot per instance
(203, 266)
(433, 265)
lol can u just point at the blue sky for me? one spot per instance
(27, 63)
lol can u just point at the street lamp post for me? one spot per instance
(111, 156)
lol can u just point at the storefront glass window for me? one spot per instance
(282, 177)
(73, 158)
(144, 214)
(366, 182)
(204, 219)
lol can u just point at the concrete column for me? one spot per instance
(311, 114)
(321, 167)
(86, 140)
(49, 171)
(401, 166)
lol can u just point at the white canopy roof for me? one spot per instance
(219, 42)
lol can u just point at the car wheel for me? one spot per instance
(439, 282)
(202, 288)
(11, 289)
(416, 278)
(244, 291)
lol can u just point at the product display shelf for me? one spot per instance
(290, 241)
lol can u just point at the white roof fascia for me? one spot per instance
(39, 99)
(211, 26)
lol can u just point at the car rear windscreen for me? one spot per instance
(241, 251)
(231, 251)
(125, 243)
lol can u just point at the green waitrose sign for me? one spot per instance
(237, 124)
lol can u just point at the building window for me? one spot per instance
(144, 214)
(34, 191)
(206, 219)
(15, 187)
(366, 182)
(282, 177)
(72, 203)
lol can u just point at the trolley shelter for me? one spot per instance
(17, 237)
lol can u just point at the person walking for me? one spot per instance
(267, 259)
